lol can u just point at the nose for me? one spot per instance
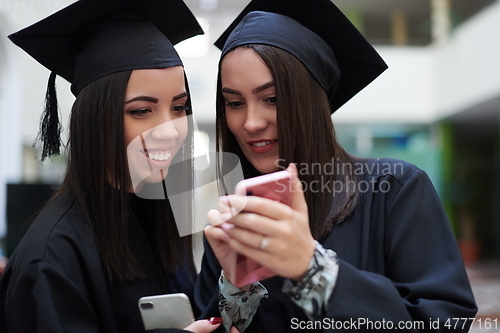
(255, 119)
(167, 130)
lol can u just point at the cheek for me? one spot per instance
(127, 130)
(234, 124)
(183, 130)
(274, 119)
(132, 130)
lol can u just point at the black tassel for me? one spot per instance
(50, 127)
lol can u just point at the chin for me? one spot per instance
(266, 167)
(265, 163)
(156, 177)
(140, 178)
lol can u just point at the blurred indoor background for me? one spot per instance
(437, 106)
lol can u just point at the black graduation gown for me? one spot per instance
(398, 262)
(54, 282)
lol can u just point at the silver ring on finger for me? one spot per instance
(264, 242)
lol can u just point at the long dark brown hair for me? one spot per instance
(307, 138)
(97, 157)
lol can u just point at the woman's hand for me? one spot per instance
(218, 240)
(205, 325)
(275, 235)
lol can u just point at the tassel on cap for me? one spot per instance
(50, 127)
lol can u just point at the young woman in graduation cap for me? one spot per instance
(97, 247)
(370, 250)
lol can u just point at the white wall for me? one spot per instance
(22, 85)
(32, 77)
(468, 67)
(425, 84)
(10, 123)
(402, 94)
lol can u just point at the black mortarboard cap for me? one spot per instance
(318, 34)
(90, 39)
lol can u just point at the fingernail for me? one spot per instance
(227, 226)
(225, 216)
(215, 320)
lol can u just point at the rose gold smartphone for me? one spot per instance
(275, 186)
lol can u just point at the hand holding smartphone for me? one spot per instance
(274, 186)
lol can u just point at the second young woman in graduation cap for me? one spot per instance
(97, 247)
(365, 244)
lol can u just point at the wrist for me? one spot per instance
(306, 263)
(227, 276)
(314, 290)
(299, 277)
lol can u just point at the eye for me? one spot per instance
(270, 100)
(140, 112)
(234, 105)
(180, 109)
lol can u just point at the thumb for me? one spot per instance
(234, 330)
(298, 201)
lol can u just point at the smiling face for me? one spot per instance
(250, 107)
(155, 121)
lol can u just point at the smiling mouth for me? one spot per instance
(158, 155)
(262, 143)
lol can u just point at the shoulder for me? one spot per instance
(399, 170)
(58, 235)
(56, 256)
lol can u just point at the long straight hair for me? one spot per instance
(307, 138)
(97, 158)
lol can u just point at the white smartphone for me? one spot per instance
(166, 311)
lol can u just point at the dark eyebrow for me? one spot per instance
(263, 87)
(154, 100)
(175, 98)
(254, 91)
(143, 98)
(230, 91)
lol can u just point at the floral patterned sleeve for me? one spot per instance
(311, 294)
(237, 307)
